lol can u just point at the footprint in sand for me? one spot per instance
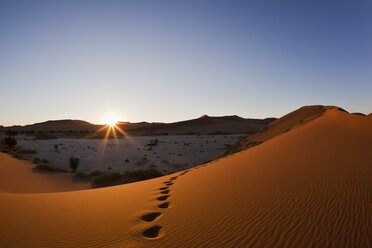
(152, 232)
(163, 198)
(150, 217)
(183, 173)
(164, 205)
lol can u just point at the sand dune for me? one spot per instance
(309, 187)
(20, 176)
(289, 121)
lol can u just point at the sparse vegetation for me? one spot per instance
(15, 154)
(252, 144)
(239, 146)
(18, 149)
(96, 173)
(154, 142)
(106, 178)
(231, 149)
(49, 167)
(10, 142)
(148, 173)
(27, 151)
(36, 160)
(286, 130)
(8, 145)
(74, 163)
(83, 175)
(299, 122)
(263, 129)
(11, 133)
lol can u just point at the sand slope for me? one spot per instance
(288, 121)
(309, 187)
(19, 176)
(282, 125)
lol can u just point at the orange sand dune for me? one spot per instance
(282, 125)
(309, 187)
(19, 176)
(288, 121)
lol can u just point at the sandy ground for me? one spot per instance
(173, 153)
(20, 176)
(309, 187)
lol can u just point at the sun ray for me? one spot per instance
(112, 131)
(130, 140)
(116, 140)
(103, 144)
(93, 134)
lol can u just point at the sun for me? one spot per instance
(111, 120)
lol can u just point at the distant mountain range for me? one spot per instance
(202, 125)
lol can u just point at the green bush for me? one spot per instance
(148, 173)
(96, 173)
(286, 130)
(253, 143)
(299, 122)
(74, 163)
(263, 129)
(49, 167)
(19, 149)
(231, 149)
(16, 154)
(106, 178)
(83, 175)
(154, 142)
(28, 151)
(10, 142)
(36, 160)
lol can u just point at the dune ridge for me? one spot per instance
(310, 186)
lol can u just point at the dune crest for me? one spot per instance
(282, 125)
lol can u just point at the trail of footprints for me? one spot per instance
(153, 231)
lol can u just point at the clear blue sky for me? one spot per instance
(176, 60)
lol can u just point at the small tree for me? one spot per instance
(74, 163)
(10, 142)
